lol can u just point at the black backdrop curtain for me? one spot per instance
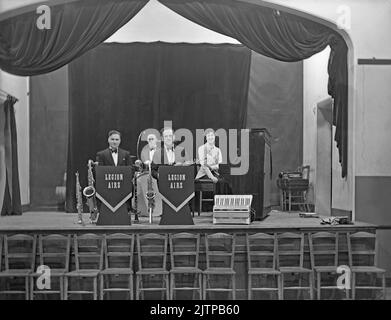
(76, 27)
(10, 203)
(136, 86)
(281, 36)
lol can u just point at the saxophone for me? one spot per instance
(150, 194)
(79, 201)
(89, 193)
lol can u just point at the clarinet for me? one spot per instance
(150, 195)
(138, 164)
(79, 201)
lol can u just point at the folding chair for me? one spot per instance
(291, 261)
(262, 263)
(19, 262)
(118, 256)
(152, 269)
(220, 255)
(54, 252)
(88, 253)
(362, 247)
(184, 253)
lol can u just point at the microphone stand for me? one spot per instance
(136, 212)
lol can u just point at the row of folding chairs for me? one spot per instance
(279, 256)
(102, 261)
(97, 258)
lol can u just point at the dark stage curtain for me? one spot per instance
(281, 36)
(10, 202)
(136, 86)
(76, 27)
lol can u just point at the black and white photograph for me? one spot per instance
(195, 157)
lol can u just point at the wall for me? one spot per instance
(19, 88)
(48, 137)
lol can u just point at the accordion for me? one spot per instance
(232, 209)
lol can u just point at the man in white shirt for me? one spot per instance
(169, 154)
(150, 149)
(210, 157)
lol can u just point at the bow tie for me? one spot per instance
(114, 150)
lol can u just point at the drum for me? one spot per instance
(142, 202)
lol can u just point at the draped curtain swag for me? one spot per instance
(76, 27)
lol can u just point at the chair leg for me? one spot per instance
(95, 288)
(167, 286)
(31, 288)
(353, 285)
(200, 286)
(233, 287)
(65, 288)
(130, 287)
(311, 280)
(279, 284)
(384, 285)
(172, 286)
(137, 287)
(101, 286)
(282, 286)
(318, 285)
(249, 286)
(27, 288)
(61, 287)
(204, 287)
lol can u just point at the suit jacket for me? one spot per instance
(104, 158)
(160, 157)
(145, 153)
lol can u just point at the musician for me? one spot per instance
(210, 158)
(150, 149)
(113, 155)
(169, 153)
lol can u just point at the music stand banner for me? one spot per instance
(113, 188)
(176, 186)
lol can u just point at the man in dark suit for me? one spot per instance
(113, 155)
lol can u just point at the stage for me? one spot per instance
(277, 221)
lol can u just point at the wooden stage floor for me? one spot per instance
(277, 221)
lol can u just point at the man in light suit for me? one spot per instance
(150, 149)
(169, 153)
(113, 155)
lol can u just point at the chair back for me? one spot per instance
(362, 248)
(220, 250)
(184, 250)
(290, 249)
(324, 249)
(88, 251)
(261, 250)
(152, 251)
(54, 251)
(119, 250)
(19, 252)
